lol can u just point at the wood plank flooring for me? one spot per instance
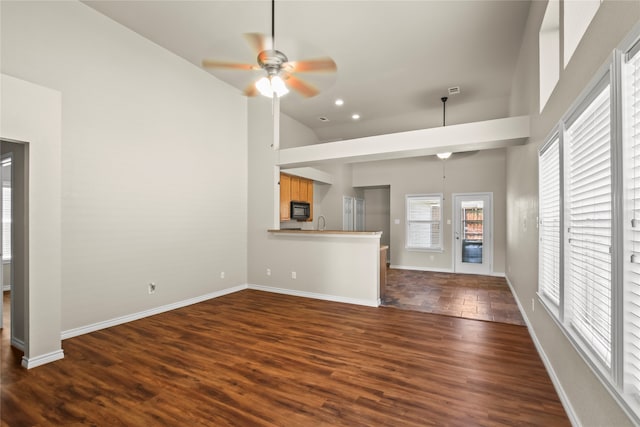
(461, 295)
(259, 359)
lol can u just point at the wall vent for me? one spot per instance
(454, 90)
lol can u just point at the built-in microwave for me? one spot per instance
(300, 211)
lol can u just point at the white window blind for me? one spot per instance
(589, 225)
(549, 205)
(6, 223)
(424, 213)
(632, 229)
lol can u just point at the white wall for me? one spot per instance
(31, 114)
(590, 403)
(295, 134)
(154, 171)
(482, 171)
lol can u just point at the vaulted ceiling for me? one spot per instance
(395, 59)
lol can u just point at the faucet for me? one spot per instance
(324, 223)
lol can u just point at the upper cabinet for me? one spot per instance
(285, 196)
(297, 189)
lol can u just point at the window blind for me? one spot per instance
(632, 229)
(6, 223)
(549, 232)
(589, 225)
(423, 222)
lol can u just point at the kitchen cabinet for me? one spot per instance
(294, 188)
(285, 196)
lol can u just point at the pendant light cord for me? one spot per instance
(444, 110)
(273, 24)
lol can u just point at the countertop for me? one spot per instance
(326, 232)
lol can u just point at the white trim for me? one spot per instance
(411, 267)
(17, 343)
(444, 270)
(33, 362)
(564, 399)
(313, 295)
(6, 288)
(70, 333)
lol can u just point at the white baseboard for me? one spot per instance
(441, 270)
(70, 333)
(33, 362)
(17, 343)
(564, 399)
(410, 267)
(325, 297)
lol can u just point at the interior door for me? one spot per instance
(347, 213)
(473, 233)
(359, 215)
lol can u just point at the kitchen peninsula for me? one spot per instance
(333, 265)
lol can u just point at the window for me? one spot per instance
(578, 14)
(631, 230)
(424, 221)
(589, 201)
(6, 209)
(549, 262)
(549, 51)
(589, 224)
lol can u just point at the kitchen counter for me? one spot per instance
(326, 232)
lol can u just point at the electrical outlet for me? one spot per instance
(222, 274)
(293, 275)
(268, 272)
(152, 288)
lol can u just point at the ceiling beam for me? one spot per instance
(483, 135)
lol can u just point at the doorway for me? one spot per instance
(13, 238)
(473, 233)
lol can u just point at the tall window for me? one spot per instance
(631, 259)
(549, 258)
(424, 221)
(6, 209)
(589, 200)
(589, 223)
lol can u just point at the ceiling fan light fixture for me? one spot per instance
(268, 86)
(444, 156)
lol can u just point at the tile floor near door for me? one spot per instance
(461, 295)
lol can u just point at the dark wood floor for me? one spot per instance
(258, 359)
(461, 295)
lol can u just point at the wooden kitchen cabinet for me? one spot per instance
(285, 196)
(294, 188)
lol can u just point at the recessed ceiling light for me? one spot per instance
(355, 116)
(323, 119)
(339, 102)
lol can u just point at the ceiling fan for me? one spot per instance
(279, 70)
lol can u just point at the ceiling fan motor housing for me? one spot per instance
(271, 61)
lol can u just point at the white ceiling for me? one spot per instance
(395, 59)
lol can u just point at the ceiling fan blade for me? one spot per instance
(258, 42)
(304, 88)
(209, 63)
(320, 64)
(251, 90)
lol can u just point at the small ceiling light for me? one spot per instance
(444, 156)
(268, 86)
(356, 117)
(339, 102)
(323, 119)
